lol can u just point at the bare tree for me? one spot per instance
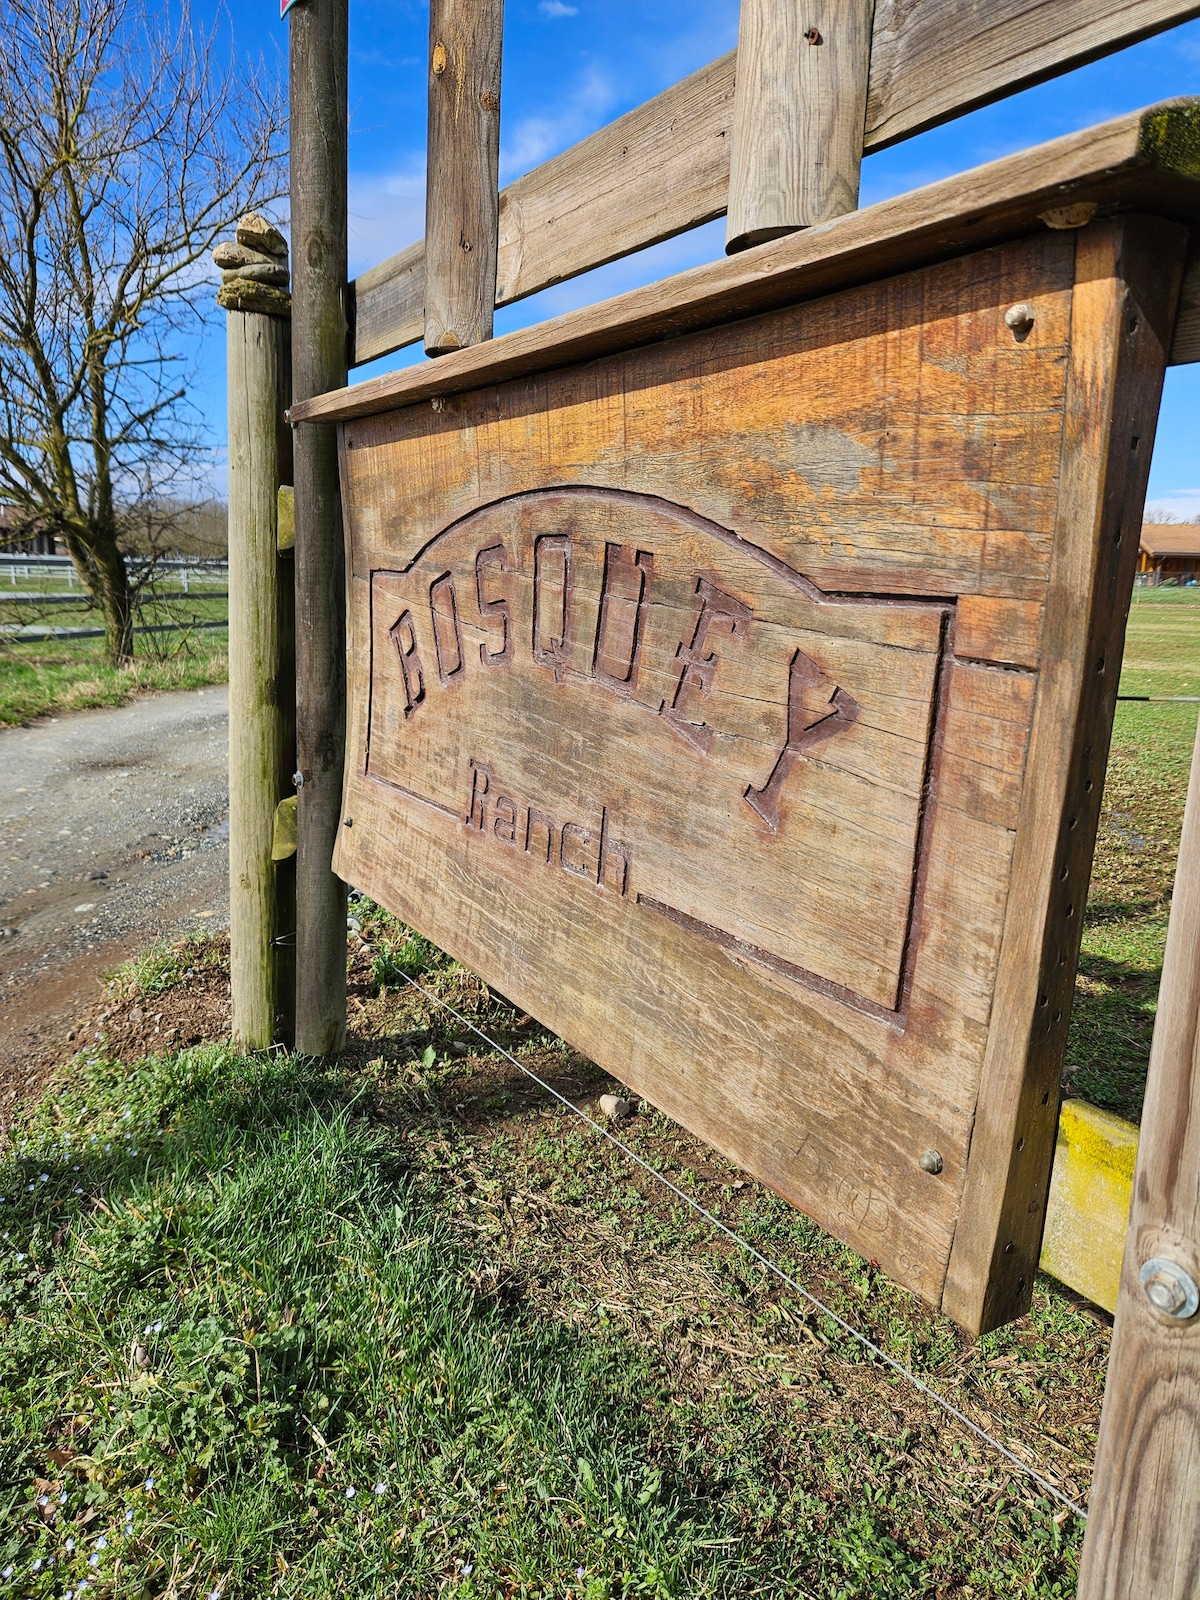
(125, 152)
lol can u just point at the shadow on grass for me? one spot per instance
(240, 1342)
(1112, 1025)
(242, 1352)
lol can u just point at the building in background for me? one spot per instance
(1169, 552)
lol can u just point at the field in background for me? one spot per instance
(1125, 926)
(43, 677)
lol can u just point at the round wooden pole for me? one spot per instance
(799, 113)
(462, 205)
(318, 43)
(259, 651)
(1143, 1532)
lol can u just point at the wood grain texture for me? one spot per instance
(461, 196)
(796, 144)
(260, 654)
(1149, 160)
(1123, 308)
(1143, 1533)
(935, 59)
(660, 721)
(318, 32)
(665, 166)
(1185, 346)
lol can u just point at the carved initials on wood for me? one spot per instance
(622, 623)
(553, 589)
(816, 709)
(698, 665)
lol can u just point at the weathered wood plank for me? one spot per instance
(1127, 284)
(796, 144)
(658, 719)
(260, 653)
(461, 197)
(1143, 1532)
(1145, 159)
(318, 33)
(1186, 344)
(664, 167)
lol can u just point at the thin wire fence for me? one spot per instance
(765, 1261)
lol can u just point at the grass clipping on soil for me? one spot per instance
(399, 1326)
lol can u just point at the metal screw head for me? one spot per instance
(930, 1161)
(1170, 1288)
(298, 779)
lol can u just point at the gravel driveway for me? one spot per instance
(113, 834)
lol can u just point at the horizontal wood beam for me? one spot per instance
(1145, 161)
(663, 167)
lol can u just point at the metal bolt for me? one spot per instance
(298, 778)
(813, 35)
(349, 822)
(1170, 1288)
(1019, 319)
(930, 1161)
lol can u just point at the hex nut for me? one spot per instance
(1170, 1288)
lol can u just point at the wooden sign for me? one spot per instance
(738, 704)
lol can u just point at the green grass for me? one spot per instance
(52, 678)
(71, 675)
(247, 1285)
(1142, 812)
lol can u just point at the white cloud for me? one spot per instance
(1176, 505)
(532, 140)
(556, 8)
(386, 213)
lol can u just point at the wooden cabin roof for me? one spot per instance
(1171, 539)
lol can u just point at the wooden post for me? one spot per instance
(318, 48)
(1143, 1532)
(261, 646)
(799, 114)
(462, 206)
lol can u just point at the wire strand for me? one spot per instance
(765, 1261)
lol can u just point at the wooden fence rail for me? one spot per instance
(664, 167)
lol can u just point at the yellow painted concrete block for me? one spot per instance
(284, 842)
(285, 502)
(1088, 1210)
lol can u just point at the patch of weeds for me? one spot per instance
(40, 680)
(169, 966)
(397, 951)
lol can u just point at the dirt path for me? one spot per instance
(113, 833)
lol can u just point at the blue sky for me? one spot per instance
(572, 65)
